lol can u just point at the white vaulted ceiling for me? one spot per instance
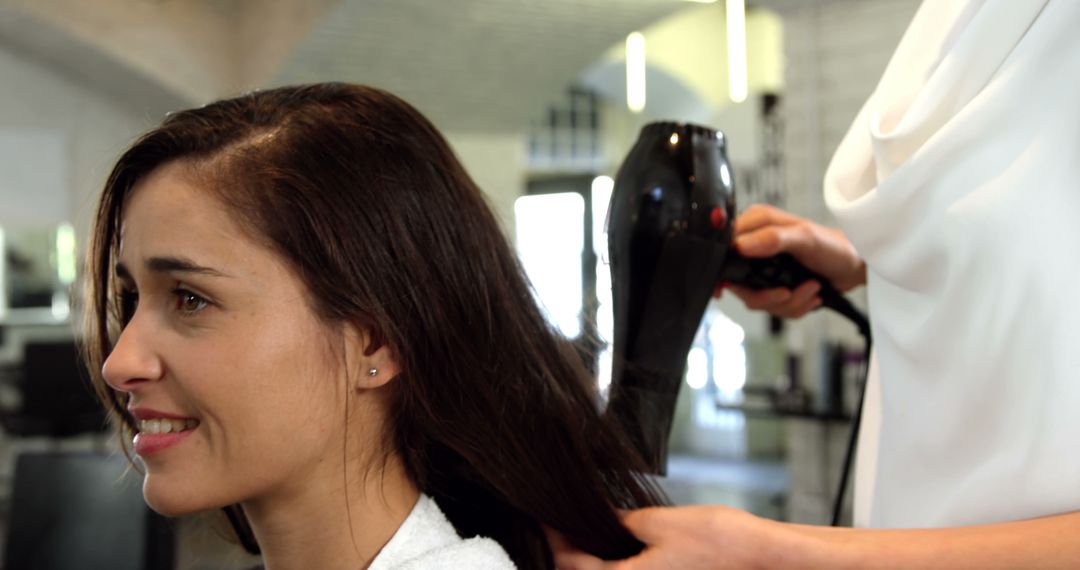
(470, 64)
(483, 65)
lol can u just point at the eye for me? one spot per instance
(129, 301)
(189, 303)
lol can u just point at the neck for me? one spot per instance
(330, 528)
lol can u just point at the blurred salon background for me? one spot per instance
(541, 100)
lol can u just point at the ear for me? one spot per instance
(371, 364)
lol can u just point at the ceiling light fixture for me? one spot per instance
(635, 72)
(736, 38)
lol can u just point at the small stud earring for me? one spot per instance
(373, 372)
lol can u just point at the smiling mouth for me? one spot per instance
(163, 425)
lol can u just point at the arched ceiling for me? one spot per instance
(485, 65)
(471, 65)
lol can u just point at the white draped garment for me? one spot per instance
(959, 184)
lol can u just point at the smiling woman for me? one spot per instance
(304, 313)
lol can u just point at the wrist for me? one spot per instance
(824, 548)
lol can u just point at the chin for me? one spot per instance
(172, 500)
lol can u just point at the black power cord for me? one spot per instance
(834, 300)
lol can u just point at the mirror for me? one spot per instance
(36, 273)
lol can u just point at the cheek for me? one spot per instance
(256, 390)
(269, 387)
(282, 352)
(286, 385)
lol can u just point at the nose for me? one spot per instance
(133, 361)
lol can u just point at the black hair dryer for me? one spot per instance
(670, 243)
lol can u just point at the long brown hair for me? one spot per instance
(493, 413)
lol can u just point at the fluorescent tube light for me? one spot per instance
(736, 37)
(635, 72)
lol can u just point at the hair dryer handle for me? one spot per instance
(783, 270)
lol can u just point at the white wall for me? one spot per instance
(496, 163)
(95, 130)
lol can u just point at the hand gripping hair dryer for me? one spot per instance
(670, 243)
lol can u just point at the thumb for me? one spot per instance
(771, 240)
(569, 557)
(646, 524)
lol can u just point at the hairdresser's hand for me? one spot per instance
(699, 538)
(764, 231)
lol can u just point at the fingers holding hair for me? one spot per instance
(569, 557)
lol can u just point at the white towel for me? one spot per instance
(427, 541)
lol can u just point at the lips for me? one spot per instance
(159, 430)
(146, 444)
(140, 413)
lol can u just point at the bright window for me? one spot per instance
(550, 240)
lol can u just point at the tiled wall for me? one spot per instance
(835, 51)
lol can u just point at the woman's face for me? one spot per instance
(238, 394)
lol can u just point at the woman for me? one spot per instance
(305, 313)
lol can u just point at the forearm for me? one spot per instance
(1048, 542)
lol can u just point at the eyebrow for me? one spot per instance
(171, 265)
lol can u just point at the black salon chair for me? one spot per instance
(83, 510)
(56, 397)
